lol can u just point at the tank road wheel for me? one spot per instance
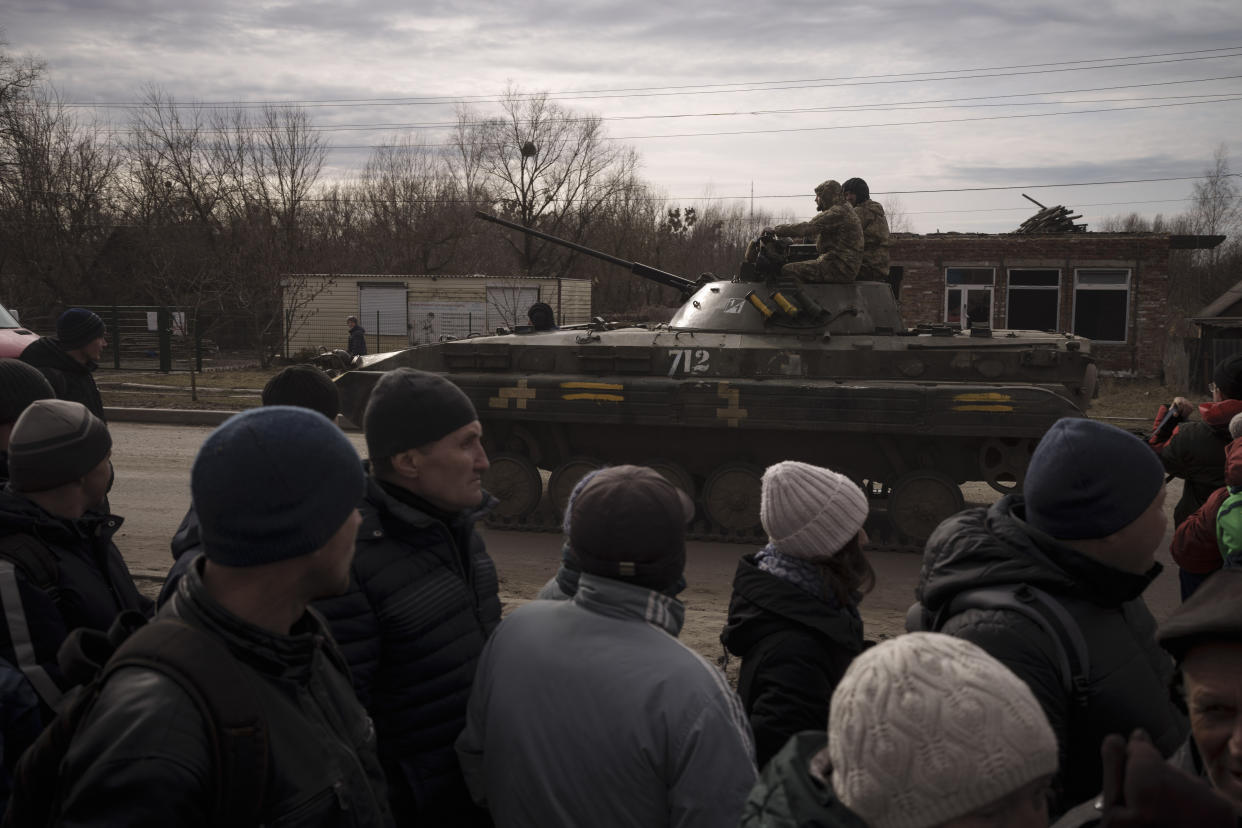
(566, 476)
(674, 473)
(1003, 461)
(731, 497)
(515, 481)
(920, 501)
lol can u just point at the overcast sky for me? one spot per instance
(960, 94)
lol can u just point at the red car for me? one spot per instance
(13, 337)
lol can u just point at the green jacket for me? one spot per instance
(787, 796)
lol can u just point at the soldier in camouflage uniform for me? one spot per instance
(874, 266)
(838, 239)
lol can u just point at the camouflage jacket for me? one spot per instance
(875, 240)
(836, 230)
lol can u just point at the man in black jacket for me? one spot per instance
(357, 337)
(1085, 532)
(277, 489)
(59, 569)
(424, 594)
(71, 357)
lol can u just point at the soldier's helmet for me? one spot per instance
(829, 193)
(859, 188)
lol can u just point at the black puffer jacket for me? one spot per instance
(419, 610)
(70, 379)
(93, 585)
(1129, 674)
(1196, 453)
(142, 756)
(794, 649)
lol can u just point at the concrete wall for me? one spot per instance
(317, 305)
(925, 259)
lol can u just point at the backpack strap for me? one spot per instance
(1073, 661)
(212, 677)
(32, 557)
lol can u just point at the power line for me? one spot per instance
(710, 89)
(862, 107)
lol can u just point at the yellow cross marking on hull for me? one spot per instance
(520, 393)
(733, 413)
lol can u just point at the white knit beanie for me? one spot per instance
(926, 727)
(810, 512)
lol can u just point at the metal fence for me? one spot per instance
(151, 338)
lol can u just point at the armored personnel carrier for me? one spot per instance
(750, 371)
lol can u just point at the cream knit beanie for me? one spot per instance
(810, 512)
(926, 727)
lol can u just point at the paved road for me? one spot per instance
(152, 493)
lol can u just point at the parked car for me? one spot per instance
(13, 337)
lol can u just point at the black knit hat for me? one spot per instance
(20, 385)
(409, 409)
(78, 326)
(306, 387)
(55, 442)
(859, 188)
(628, 523)
(1228, 377)
(1213, 613)
(1088, 479)
(273, 483)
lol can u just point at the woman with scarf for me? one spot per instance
(793, 617)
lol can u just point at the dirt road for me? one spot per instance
(152, 492)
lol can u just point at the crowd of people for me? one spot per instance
(353, 667)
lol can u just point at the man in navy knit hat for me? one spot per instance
(276, 489)
(69, 359)
(1083, 535)
(424, 593)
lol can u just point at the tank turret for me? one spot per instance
(752, 370)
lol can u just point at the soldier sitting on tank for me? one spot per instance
(838, 239)
(874, 267)
(541, 317)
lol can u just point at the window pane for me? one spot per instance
(1103, 277)
(953, 306)
(1035, 278)
(969, 275)
(1033, 310)
(1100, 314)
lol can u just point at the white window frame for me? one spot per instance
(1009, 288)
(1078, 271)
(966, 288)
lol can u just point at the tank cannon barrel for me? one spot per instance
(665, 278)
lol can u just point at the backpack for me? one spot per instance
(35, 561)
(202, 666)
(1229, 524)
(1073, 661)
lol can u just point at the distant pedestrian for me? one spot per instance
(1194, 450)
(424, 595)
(303, 386)
(277, 489)
(590, 711)
(874, 266)
(59, 569)
(1079, 544)
(357, 337)
(1202, 542)
(793, 617)
(926, 731)
(69, 360)
(20, 385)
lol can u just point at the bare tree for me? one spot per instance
(546, 167)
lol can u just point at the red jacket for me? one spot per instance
(1194, 546)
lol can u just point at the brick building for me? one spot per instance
(1110, 287)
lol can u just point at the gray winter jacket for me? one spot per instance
(591, 712)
